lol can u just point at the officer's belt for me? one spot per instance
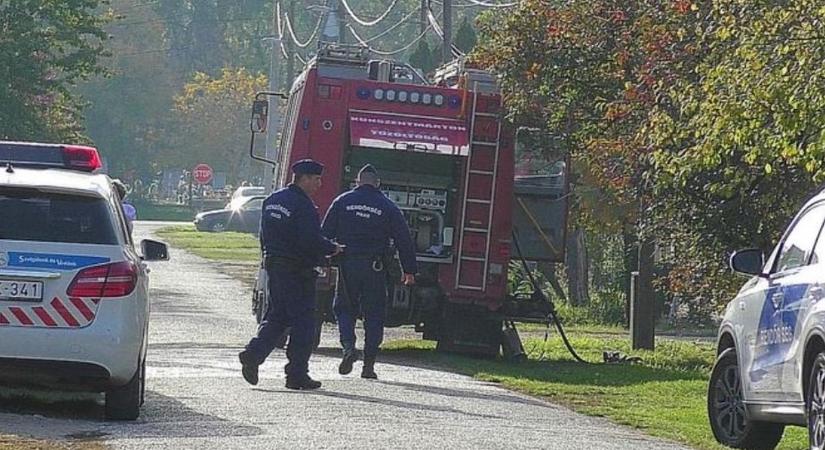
(360, 257)
(285, 262)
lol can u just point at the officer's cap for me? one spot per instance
(307, 167)
(368, 168)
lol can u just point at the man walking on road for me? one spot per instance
(364, 220)
(292, 246)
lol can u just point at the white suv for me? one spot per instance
(74, 304)
(770, 370)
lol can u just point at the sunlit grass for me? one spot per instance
(227, 246)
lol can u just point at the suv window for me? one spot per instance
(32, 215)
(798, 246)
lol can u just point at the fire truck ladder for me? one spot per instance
(476, 174)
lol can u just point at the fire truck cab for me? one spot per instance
(445, 155)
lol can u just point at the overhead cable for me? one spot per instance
(437, 28)
(291, 31)
(478, 4)
(280, 29)
(493, 5)
(367, 23)
(388, 53)
(400, 22)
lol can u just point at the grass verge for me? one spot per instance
(663, 396)
(17, 443)
(228, 246)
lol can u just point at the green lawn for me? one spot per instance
(228, 246)
(663, 396)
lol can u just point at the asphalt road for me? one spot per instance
(196, 397)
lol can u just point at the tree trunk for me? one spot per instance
(631, 263)
(597, 265)
(644, 317)
(577, 265)
(549, 272)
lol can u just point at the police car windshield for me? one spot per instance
(31, 215)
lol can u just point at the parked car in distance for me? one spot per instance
(242, 214)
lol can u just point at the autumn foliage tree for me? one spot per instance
(213, 122)
(695, 121)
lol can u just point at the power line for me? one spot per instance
(437, 28)
(295, 38)
(386, 53)
(493, 5)
(368, 23)
(478, 4)
(400, 22)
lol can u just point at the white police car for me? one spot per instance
(74, 304)
(770, 370)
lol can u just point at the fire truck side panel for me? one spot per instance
(427, 185)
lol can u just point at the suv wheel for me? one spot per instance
(727, 413)
(815, 404)
(123, 403)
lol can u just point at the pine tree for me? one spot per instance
(465, 38)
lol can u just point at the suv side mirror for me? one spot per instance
(749, 261)
(154, 250)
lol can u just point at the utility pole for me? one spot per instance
(290, 62)
(446, 49)
(424, 17)
(333, 31)
(335, 26)
(272, 117)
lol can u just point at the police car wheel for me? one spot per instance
(728, 415)
(123, 403)
(218, 227)
(815, 404)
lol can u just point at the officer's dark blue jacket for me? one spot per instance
(364, 220)
(290, 228)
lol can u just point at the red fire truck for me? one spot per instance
(446, 158)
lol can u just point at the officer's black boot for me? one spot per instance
(249, 367)
(304, 383)
(350, 356)
(369, 368)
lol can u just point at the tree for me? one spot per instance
(213, 122)
(423, 57)
(588, 72)
(46, 47)
(465, 37)
(129, 108)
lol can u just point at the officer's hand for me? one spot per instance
(408, 279)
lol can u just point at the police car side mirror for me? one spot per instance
(154, 250)
(749, 261)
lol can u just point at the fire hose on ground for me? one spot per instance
(552, 316)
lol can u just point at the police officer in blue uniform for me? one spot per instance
(364, 220)
(292, 246)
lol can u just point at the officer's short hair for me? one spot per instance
(368, 175)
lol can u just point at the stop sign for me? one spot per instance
(202, 173)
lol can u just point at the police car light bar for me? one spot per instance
(32, 154)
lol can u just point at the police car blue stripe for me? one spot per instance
(53, 261)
